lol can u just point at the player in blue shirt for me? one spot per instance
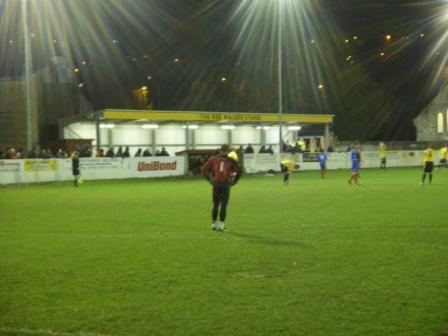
(355, 158)
(322, 158)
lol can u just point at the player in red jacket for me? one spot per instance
(222, 172)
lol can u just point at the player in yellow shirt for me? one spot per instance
(383, 155)
(428, 164)
(233, 155)
(443, 157)
(287, 167)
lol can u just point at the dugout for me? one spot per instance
(178, 131)
(195, 158)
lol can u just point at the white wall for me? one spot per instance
(129, 135)
(170, 135)
(210, 135)
(246, 135)
(272, 135)
(80, 131)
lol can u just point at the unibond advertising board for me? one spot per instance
(157, 167)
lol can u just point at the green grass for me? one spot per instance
(137, 257)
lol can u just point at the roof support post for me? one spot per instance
(187, 138)
(153, 141)
(61, 126)
(326, 136)
(98, 132)
(262, 137)
(110, 137)
(193, 139)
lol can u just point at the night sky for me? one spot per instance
(189, 55)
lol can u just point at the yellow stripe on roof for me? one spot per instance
(216, 116)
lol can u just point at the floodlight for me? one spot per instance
(228, 127)
(107, 125)
(150, 126)
(294, 128)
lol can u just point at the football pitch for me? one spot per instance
(317, 257)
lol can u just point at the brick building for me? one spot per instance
(13, 123)
(432, 122)
(54, 95)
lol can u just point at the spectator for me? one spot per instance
(19, 154)
(302, 145)
(61, 154)
(44, 154)
(86, 152)
(11, 154)
(249, 149)
(119, 152)
(138, 153)
(110, 153)
(100, 153)
(126, 153)
(50, 154)
(294, 148)
(34, 153)
(270, 150)
(262, 149)
(147, 152)
(164, 152)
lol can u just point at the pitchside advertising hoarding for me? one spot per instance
(157, 167)
(10, 165)
(411, 157)
(48, 170)
(40, 165)
(337, 156)
(129, 167)
(261, 162)
(310, 157)
(40, 170)
(87, 164)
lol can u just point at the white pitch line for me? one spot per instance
(48, 332)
